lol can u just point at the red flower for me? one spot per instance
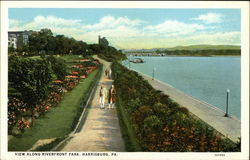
(58, 81)
(71, 76)
(84, 60)
(83, 76)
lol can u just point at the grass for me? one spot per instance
(70, 58)
(57, 122)
(131, 142)
(35, 57)
(47, 147)
(64, 143)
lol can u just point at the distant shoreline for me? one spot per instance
(198, 50)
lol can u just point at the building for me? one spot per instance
(103, 41)
(17, 39)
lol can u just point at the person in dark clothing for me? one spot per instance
(112, 96)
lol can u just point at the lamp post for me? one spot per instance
(153, 74)
(226, 115)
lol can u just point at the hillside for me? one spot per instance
(205, 47)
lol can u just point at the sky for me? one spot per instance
(134, 28)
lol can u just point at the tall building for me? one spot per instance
(103, 41)
(17, 39)
(99, 39)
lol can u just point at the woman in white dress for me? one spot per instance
(102, 94)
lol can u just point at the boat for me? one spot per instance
(137, 60)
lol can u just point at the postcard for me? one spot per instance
(124, 80)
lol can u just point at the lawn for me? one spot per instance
(58, 121)
(67, 58)
(70, 58)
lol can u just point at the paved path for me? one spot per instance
(101, 131)
(230, 127)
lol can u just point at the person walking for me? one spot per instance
(110, 73)
(112, 96)
(102, 94)
(106, 72)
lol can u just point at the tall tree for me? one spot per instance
(39, 41)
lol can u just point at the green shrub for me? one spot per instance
(152, 122)
(31, 78)
(58, 67)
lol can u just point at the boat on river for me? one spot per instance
(137, 60)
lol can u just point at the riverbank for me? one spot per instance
(228, 126)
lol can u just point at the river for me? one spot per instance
(205, 78)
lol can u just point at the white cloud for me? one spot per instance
(114, 28)
(68, 27)
(174, 28)
(209, 18)
(219, 38)
(114, 35)
(110, 22)
(51, 22)
(40, 22)
(14, 24)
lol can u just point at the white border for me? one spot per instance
(243, 5)
(125, 4)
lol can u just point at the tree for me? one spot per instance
(39, 41)
(31, 78)
(158, 51)
(44, 42)
(11, 49)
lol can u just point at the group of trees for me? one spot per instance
(44, 42)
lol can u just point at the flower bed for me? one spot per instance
(20, 109)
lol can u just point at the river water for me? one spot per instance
(205, 78)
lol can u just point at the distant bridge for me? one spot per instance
(146, 54)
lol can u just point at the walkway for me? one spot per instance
(230, 127)
(101, 131)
